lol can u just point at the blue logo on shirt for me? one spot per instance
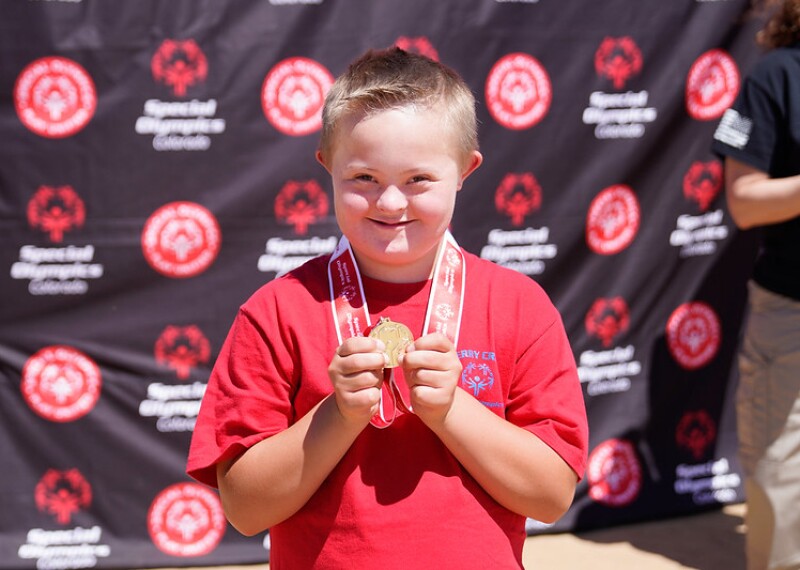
(477, 378)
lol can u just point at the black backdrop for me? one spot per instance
(156, 167)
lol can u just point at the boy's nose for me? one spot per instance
(391, 199)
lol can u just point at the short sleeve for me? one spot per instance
(546, 397)
(248, 397)
(747, 131)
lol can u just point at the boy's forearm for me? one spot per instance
(274, 479)
(514, 466)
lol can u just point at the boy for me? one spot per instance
(425, 453)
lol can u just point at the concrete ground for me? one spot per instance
(706, 541)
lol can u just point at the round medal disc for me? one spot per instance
(396, 337)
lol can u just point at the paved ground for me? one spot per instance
(707, 541)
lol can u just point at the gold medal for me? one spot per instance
(396, 337)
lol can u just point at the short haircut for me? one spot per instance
(393, 78)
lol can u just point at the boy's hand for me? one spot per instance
(356, 371)
(431, 368)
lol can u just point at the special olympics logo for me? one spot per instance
(181, 239)
(518, 91)
(444, 311)
(419, 45)
(702, 182)
(62, 493)
(453, 258)
(182, 348)
(614, 473)
(695, 432)
(477, 377)
(293, 94)
(179, 64)
(55, 97)
(349, 292)
(712, 85)
(186, 519)
(301, 203)
(618, 59)
(61, 384)
(613, 220)
(517, 196)
(607, 318)
(55, 211)
(693, 335)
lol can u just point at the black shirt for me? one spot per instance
(762, 130)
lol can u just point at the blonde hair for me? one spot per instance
(393, 78)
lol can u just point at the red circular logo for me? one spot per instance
(420, 45)
(61, 384)
(293, 94)
(55, 97)
(181, 239)
(518, 91)
(614, 473)
(613, 220)
(712, 85)
(186, 519)
(693, 335)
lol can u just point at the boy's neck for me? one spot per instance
(411, 273)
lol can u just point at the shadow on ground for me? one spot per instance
(707, 541)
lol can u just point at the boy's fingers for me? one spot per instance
(434, 341)
(431, 360)
(359, 344)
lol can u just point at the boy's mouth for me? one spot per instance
(391, 224)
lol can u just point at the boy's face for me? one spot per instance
(395, 177)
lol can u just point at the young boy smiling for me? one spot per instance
(355, 444)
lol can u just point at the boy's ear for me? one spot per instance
(321, 160)
(473, 162)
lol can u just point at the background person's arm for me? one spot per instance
(755, 199)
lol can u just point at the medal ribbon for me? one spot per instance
(351, 315)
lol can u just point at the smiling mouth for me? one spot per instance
(390, 224)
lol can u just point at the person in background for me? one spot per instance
(759, 138)
(400, 403)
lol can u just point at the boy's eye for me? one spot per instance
(419, 178)
(363, 178)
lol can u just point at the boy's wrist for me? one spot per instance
(350, 422)
(440, 423)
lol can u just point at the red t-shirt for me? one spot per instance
(398, 498)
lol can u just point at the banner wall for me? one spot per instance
(157, 166)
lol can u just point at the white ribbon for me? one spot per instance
(351, 315)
